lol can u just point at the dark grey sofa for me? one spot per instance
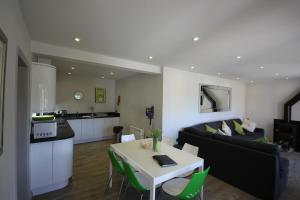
(200, 128)
(254, 167)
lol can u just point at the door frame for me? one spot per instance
(23, 141)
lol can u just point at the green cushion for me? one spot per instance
(210, 129)
(262, 140)
(238, 128)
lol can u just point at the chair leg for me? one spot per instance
(158, 195)
(141, 198)
(121, 188)
(126, 189)
(107, 185)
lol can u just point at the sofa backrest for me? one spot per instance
(216, 125)
(200, 129)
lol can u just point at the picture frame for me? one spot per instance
(3, 56)
(100, 95)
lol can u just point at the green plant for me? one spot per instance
(156, 133)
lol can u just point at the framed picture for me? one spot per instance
(100, 95)
(3, 51)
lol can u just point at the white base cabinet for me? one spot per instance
(94, 129)
(51, 165)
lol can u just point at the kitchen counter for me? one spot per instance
(69, 126)
(63, 132)
(87, 115)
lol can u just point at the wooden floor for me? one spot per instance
(90, 176)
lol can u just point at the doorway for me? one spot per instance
(23, 129)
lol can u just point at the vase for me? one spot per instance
(155, 144)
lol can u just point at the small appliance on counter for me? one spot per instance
(44, 127)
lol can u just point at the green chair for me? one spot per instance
(186, 189)
(117, 167)
(136, 180)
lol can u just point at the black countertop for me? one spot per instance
(63, 132)
(87, 115)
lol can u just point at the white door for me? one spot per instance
(75, 124)
(41, 164)
(108, 127)
(87, 129)
(62, 160)
(99, 127)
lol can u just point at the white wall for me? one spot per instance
(181, 100)
(265, 101)
(138, 92)
(296, 112)
(67, 85)
(12, 23)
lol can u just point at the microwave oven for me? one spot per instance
(44, 129)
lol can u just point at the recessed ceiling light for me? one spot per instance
(276, 74)
(77, 39)
(150, 57)
(192, 67)
(72, 68)
(261, 67)
(102, 77)
(69, 73)
(238, 57)
(195, 39)
(111, 73)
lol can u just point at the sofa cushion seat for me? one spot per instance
(262, 147)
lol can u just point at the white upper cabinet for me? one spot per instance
(43, 88)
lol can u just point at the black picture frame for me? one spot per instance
(3, 57)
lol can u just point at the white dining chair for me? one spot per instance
(127, 138)
(168, 141)
(193, 150)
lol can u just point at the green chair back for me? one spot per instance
(116, 164)
(193, 188)
(134, 182)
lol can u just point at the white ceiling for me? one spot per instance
(85, 69)
(264, 32)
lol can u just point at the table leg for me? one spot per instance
(152, 190)
(110, 174)
(201, 194)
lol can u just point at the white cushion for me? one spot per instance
(221, 132)
(226, 129)
(249, 125)
(175, 186)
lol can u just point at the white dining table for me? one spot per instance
(141, 159)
